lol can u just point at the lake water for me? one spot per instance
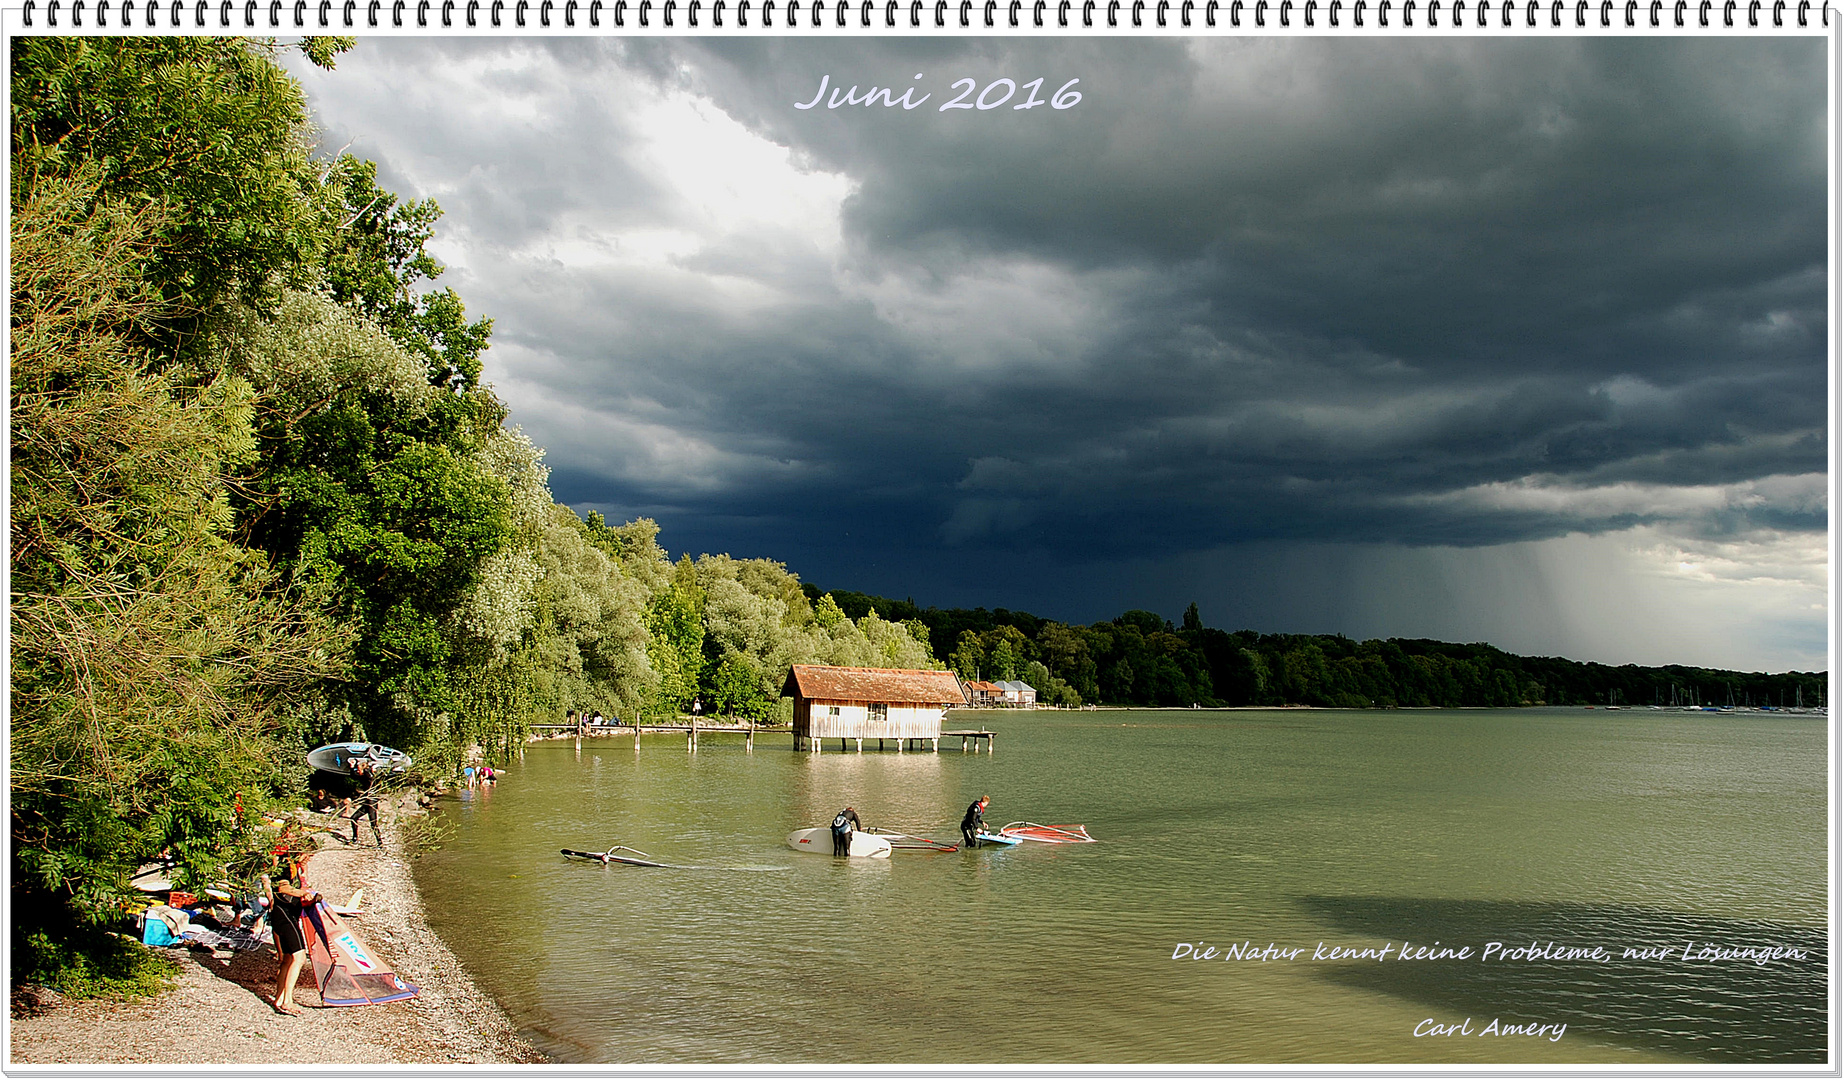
(1292, 828)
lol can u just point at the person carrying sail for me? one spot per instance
(842, 825)
(975, 820)
(287, 896)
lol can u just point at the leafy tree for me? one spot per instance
(675, 619)
(828, 614)
(969, 656)
(1004, 660)
(737, 689)
(1050, 689)
(153, 666)
(376, 262)
(207, 134)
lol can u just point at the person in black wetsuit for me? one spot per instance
(288, 896)
(365, 802)
(975, 820)
(842, 826)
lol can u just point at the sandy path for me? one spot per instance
(219, 1014)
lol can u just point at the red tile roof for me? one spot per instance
(894, 685)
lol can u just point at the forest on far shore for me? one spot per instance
(1141, 658)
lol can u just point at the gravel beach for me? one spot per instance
(220, 1014)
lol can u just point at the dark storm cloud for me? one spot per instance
(1361, 274)
(1421, 292)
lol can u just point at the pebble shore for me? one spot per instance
(219, 1013)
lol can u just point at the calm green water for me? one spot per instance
(1290, 828)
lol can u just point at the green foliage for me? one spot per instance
(588, 639)
(152, 661)
(320, 51)
(208, 135)
(828, 613)
(87, 963)
(375, 262)
(736, 690)
(1050, 689)
(675, 621)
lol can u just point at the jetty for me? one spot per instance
(692, 729)
(696, 728)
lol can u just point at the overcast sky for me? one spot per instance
(1512, 341)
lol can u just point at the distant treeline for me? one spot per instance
(1141, 658)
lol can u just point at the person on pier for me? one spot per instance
(842, 826)
(975, 820)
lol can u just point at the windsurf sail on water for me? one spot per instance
(347, 971)
(1047, 834)
(609, 856)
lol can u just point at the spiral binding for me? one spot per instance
(1511, 13)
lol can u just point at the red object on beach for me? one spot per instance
(1048, 834)
(346, 971)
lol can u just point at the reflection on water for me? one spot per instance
(1292, 828)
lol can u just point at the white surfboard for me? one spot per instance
(819, 841)
(338, 757)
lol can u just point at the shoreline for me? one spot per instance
(219, 1013)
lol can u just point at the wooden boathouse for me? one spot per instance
(869, 703)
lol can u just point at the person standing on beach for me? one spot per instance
(366, 802)
(842, 827)
(975, 820)
(287, 897)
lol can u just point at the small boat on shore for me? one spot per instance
(1047, 834)
(865, 845)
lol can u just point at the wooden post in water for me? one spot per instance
(749, 738)
(691, 736)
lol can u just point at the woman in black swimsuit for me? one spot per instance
(288, 896)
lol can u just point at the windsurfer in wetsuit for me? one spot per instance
(842, 826)
(287, 898)
(975, 820)
(366, 801)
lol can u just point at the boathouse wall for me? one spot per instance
(856, 720)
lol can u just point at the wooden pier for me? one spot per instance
(976, 736)
(692, 729)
